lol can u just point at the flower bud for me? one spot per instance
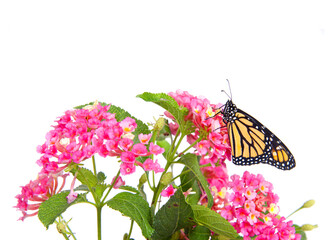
(166, 178)
(160, 123)
(61, 228)
(125, 237)
(142, 179)
(308, 227)
(308, 204)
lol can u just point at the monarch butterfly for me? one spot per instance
(251, 142)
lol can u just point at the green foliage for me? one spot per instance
(86, 177)
(199, 233)
(129, 189)
(169, 103)
(55, 206)
(174, 215)
(135, 207)
(165, 145)
(90, 181)
(213, 221)
(189, 180)
(190, 161)
(101, 177)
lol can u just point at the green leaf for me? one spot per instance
(121, 114)
(199, 233)
(221, 237)
(130, 189)
(190, 161)
(55, 206)
(165, 145)
(173, 216)
(135, 207)
(213, 221)
(169, 103)
(189, 180)
(99, 189)
(82, 187)
(101, 177)
(86, 177)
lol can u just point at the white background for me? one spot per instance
(278, 55)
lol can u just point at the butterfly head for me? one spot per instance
(229, 111)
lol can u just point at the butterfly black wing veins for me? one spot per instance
(252, 143)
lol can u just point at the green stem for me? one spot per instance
(176, 147)
(94, 165)
(130, 231)
(170, 158)
(69, 229)
(65, 236)
(61, 222)
(71, 233)
(172, 146)
(112, 185)
(157, 191)
(149, 184)
(294, 212)
(153, 176)
(99, 210)
(191, 145)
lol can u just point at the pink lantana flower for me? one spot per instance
(149, 165)
(140, 149)
(250, 193)
(155, 149)
(169, 191)
(128, 125)
(127, 168)
(203, 147)
(119, 182)
(144, 138)
(125, 144)
(72, 195)
(127, 157)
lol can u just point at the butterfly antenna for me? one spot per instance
(229, 96)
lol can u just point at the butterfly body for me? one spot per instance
(252, 143)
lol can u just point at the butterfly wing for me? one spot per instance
(252, 143)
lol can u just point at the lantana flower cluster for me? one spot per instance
(247, 202)
(214, 149)
(251, 206)
(78, 135)
(252, 209)
(215, 146)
